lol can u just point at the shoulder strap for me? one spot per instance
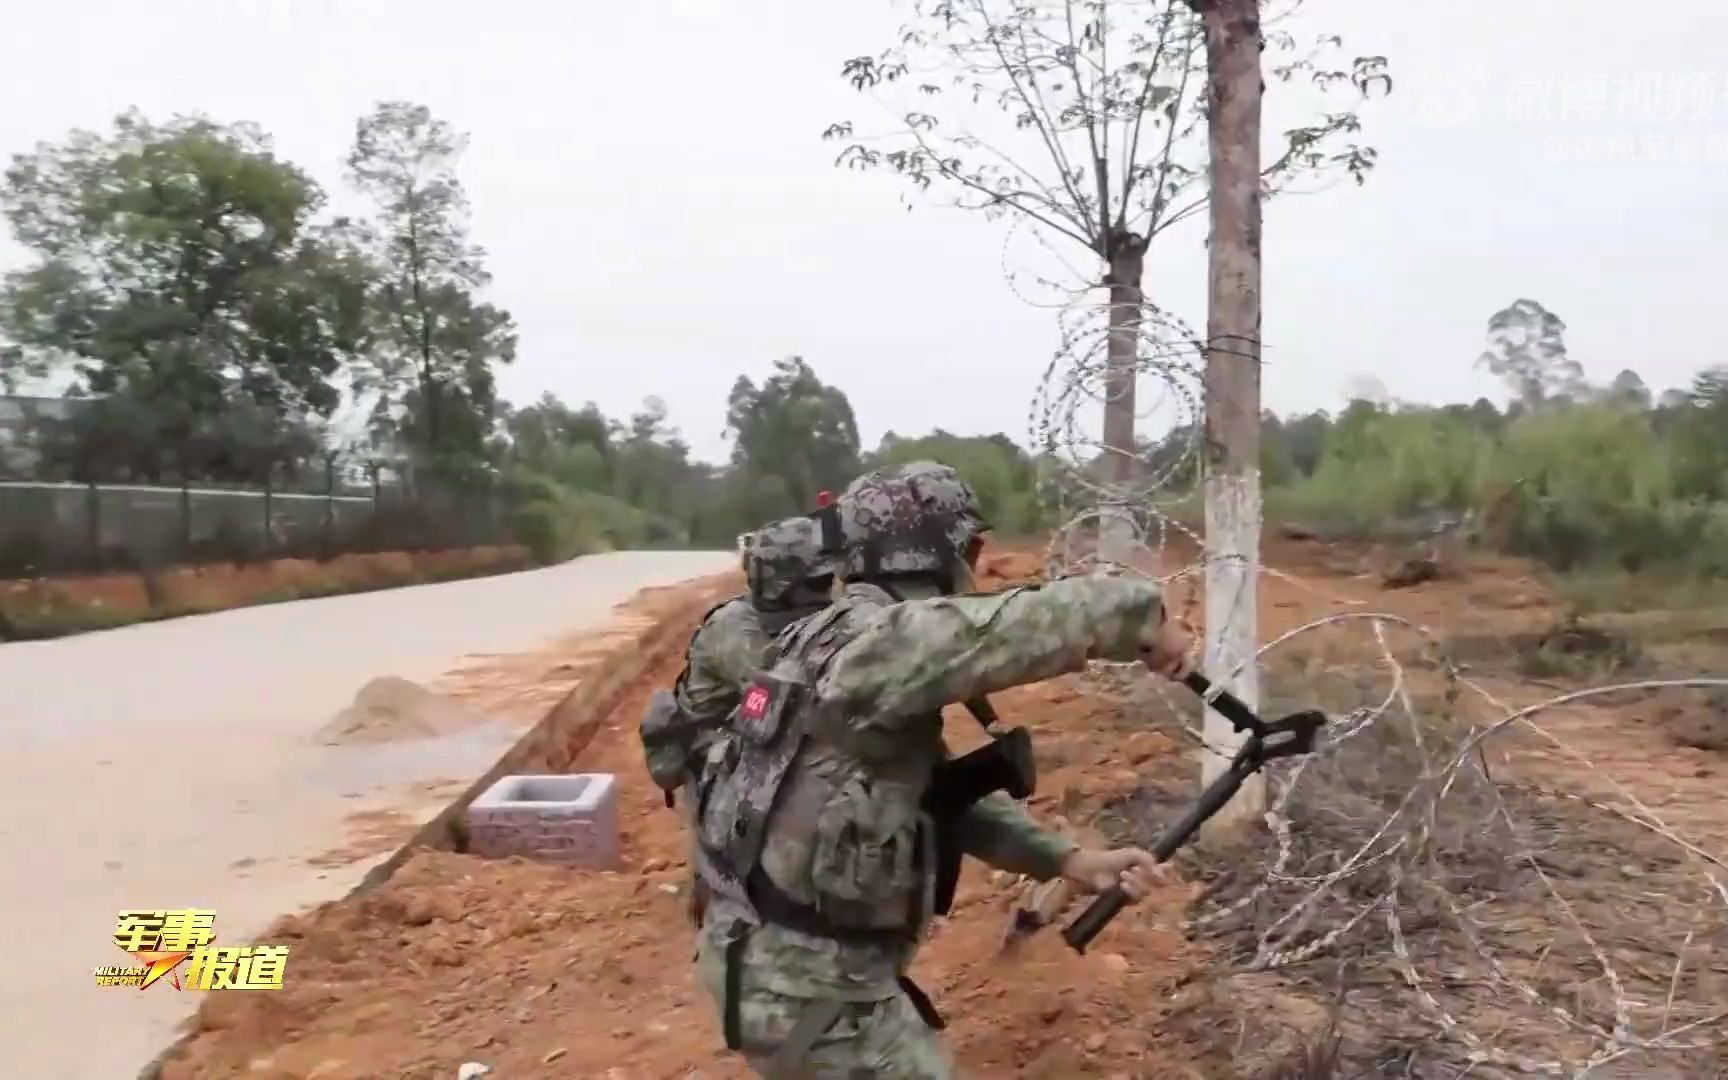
(707, 616)
(800, 634)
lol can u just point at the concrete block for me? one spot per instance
(570, 819)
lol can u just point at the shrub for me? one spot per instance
(544, 528)
(1390, 465)
(1590, 484)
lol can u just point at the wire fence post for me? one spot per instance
(185, 519)
(269, 535)
(93, 522)
(329, 504)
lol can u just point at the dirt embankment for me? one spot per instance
(48, 607)
(542, 973)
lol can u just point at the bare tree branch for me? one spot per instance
(1039, 113)
(1097, 72)
(1100, 164)
(1142, 101)
(1051, 206)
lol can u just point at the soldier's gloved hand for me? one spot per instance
(1134, 870)
(1167, 649)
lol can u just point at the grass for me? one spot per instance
(1620, 592)
(1472, 864)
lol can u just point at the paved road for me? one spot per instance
(170, 765)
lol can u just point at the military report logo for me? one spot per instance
(175, 942)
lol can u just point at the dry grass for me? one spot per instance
(1434, 916)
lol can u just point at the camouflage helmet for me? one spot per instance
(917, 518)
(785, 561)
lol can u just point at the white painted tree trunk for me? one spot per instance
(1232, 486)
(1232, 616)
(1116, 532)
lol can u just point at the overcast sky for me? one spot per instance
(661, 215)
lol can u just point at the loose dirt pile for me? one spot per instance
(542, 972)
(390, 709)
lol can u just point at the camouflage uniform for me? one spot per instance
(789, 577)
(722, 656)
(813, 839)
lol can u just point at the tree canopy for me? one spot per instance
(180, 271)
(1527, 348)
(216, 321)
(436, 344)
(794, 432)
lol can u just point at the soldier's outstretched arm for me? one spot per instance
(999, 831)
(913, 658)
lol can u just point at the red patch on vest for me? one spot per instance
(755, 703)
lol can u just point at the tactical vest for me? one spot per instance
(808, 822)
(675, 743)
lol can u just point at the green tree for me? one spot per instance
(652, 462)
(1087, 122)
(1697, 430)
(177, 267)
(436, 342)
(1004, 478)
(1383, 464)
(1277, 462)
(1593, 485)
(16, 365)
(1628, 389)
(1174, 460)
(1710, 387)
(573, 446)
(1305, 440)
(1349, 440)
(795, 428)
(1527, 349)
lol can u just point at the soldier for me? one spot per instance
(812, 839)
(788, 578)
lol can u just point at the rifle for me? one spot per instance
(1005, 763)
(1290, 737)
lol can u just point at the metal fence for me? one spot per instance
(64, 526)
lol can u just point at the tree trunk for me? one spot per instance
(1122, 355)
(429, 402)
(1232, 489)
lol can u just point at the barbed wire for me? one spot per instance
(1395, 858)
(1077, 387)
(1509, 919)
